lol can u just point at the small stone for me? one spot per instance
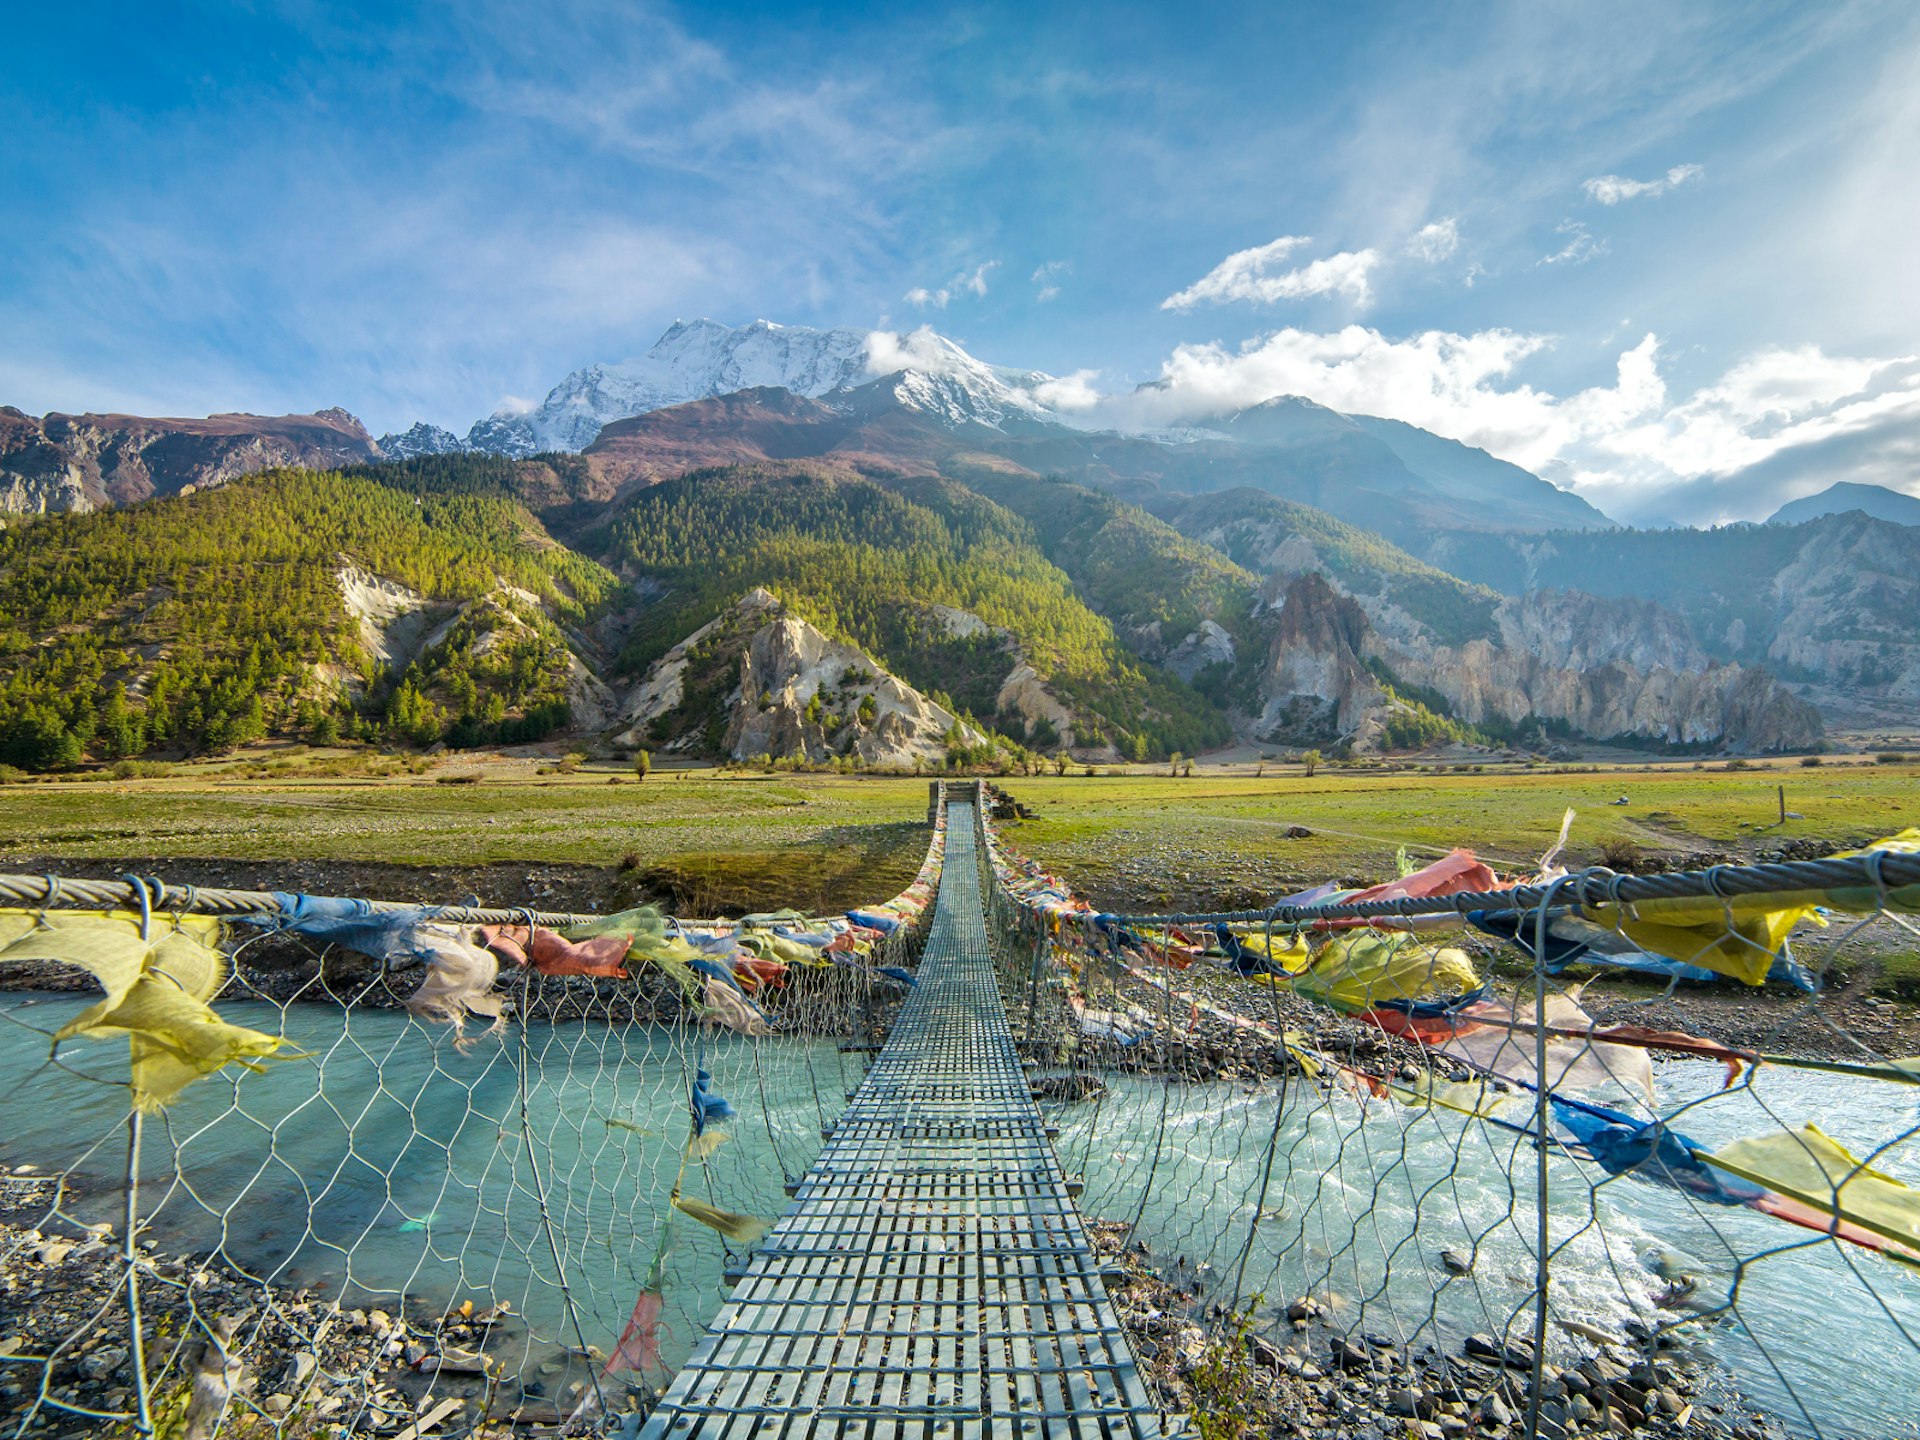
(1349, 1356)
(1454, 1263)
(277, 1405)
(1404, 1401)
(300, 1370)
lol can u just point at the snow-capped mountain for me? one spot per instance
(420, 439)
(700, 359)
(927, 372)
(693, 360)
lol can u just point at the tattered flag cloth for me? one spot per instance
(157, 989)
(1356, 973)
(1457, 873)
(1500, 1039)
(551, 954)
(1742, 938)
(1571, 939)
(1815, 1172)
(1262, 953)
(709, 1107)
(741, 1229)
(639, 1345)
(1622, 1145)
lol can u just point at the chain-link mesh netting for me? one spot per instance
(303, 1192)
(1319, 1134)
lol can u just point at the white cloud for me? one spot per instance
(1435, 242)
(891, 351)
(1612, 189)
(1580, 247)
(1248, 275)
(1070, 394)
(1734, 448)
(1044, 277)
(967, 282)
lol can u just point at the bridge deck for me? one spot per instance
(932, 1278)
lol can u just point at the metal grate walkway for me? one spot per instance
(932, 1278)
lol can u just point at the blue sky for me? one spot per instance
(1662, 253)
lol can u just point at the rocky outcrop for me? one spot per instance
(1024, 694)
(1610, 669)
(1314, 685)
(1844, 607)
(82, 462)
(1207, 645)
(799, 693)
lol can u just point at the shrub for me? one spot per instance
(1809, 762)
(1890, 757)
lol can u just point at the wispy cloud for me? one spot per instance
(1612, 189)
(1045, 278)
(968, 282)
(1436, 241)
(1251, 275)
(1579, 248)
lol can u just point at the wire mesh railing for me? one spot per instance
(291, 1166)
(1562, 1153)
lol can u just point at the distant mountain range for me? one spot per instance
(922, 544)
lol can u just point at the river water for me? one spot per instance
(386, 1163)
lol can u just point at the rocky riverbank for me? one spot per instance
(1292, 1373)
(273, 1360)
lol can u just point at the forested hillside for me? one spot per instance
(882, 564)
(209, 620)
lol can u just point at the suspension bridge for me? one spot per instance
(932, 1277)
(473, 1214)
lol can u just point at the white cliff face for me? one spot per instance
(1609, 668)
(800, 693)
(1845, 608)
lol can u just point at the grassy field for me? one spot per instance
(1359, 821)
(1121, 837)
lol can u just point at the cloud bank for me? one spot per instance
(1782, 422)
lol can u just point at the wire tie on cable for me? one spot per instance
(146, 904)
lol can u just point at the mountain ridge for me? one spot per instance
(1878, 501)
